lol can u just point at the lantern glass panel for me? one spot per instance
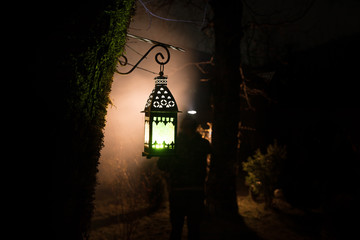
(163, 133)
(147, 131)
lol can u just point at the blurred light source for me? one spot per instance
(160, 120)
(192, 112)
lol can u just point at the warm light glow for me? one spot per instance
(191, 112)
(163, 132)
(147, 130)
(124, 133)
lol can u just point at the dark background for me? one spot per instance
(312, 49)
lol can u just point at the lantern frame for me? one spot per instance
(160, 110)
(160, 121)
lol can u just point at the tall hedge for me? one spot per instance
(84, 40)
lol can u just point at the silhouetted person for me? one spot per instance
(187, 170)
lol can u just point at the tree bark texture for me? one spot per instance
(225, 89)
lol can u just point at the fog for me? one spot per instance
(124, 131)
(184, 24)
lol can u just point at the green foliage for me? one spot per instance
(94, 71)
(95, 66)
(91, 39)
(264, 170)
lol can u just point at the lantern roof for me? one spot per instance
(161, 99)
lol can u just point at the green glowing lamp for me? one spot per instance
(160, 121)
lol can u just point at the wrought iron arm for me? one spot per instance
(159, 54)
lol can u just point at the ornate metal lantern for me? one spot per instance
(160, 111)
(160, 120)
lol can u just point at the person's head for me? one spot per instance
(188, 125)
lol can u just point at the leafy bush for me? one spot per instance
(80, 56)
(264, 170)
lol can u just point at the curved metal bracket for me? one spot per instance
(159, 54)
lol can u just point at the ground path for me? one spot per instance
(254, 223)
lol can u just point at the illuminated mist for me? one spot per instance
(124, 131)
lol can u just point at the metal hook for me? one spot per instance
(161, 73)
(159, 54)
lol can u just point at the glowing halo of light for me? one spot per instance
(192, 112)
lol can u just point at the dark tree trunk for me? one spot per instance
(221, 188)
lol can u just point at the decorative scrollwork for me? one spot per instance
(121, 62)
(157, 56)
